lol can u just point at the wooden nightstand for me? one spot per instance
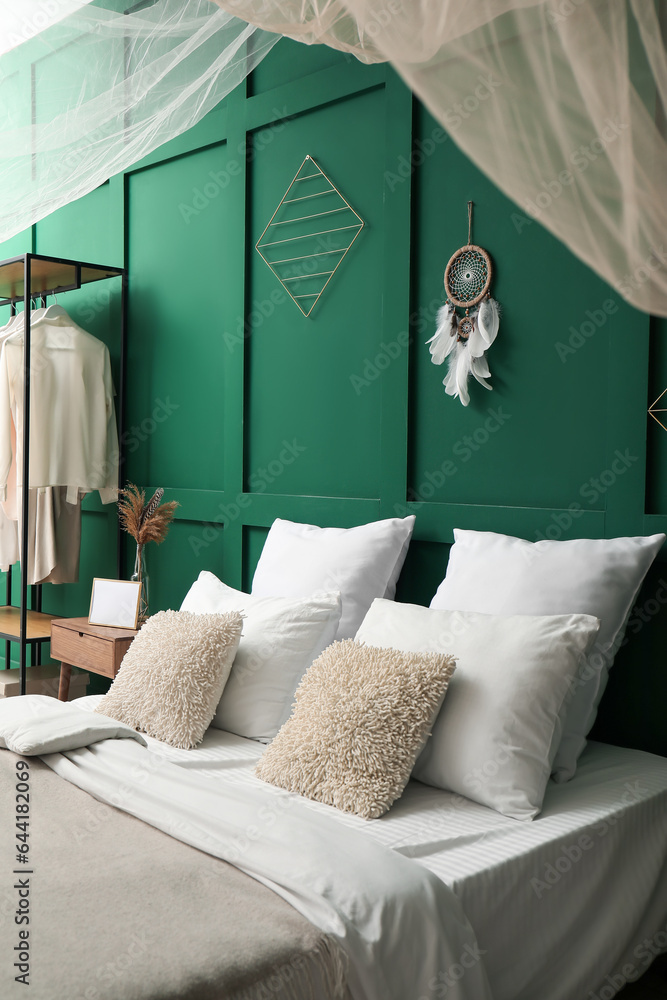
(94, 647)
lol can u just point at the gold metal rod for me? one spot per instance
(302, 277)
(305, 197)
(286, 289)
(317, 215)
(337, 265)
(283, 198)
(322, 232)
(305, 256)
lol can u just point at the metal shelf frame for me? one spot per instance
(27, 278)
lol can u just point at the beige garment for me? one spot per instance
(55, 505)
(9, 541)
(73, 435)
(54, 535)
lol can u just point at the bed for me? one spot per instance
(548, 922)
(163, 873)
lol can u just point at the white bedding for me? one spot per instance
(557, 904)
(398, 926)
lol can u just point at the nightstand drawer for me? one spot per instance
(83, 650)
(98, 648)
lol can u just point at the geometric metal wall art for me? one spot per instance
(653, 410)
(309, 235)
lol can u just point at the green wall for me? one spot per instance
(245, 410)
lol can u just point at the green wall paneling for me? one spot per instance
(253, 540)
(290, 405)
(574, 368)
(69, 232)
(422, 572)
(289, 62)
(172, 566)
(177, 253)
(522, 443)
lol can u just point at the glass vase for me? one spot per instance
(140, 575)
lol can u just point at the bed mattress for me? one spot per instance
(562, 906)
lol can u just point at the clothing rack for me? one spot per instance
(27, 278)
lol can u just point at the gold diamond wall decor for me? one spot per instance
(309, 235)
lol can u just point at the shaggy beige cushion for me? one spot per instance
(361, 716)
(173, 674)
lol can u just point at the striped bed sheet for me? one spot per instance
(570, 906)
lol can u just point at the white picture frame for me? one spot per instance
(115, 603)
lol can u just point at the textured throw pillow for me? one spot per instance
(172, 676)
(361, 717)
(361, 563)
(281, 638)
(501, 575)
(492, 740)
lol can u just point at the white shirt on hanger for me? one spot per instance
(73, 435)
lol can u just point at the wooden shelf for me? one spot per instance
(49, 274)
(38, 627)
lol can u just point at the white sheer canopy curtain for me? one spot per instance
(87, 90)
(560, 102)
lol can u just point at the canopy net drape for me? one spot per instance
(560, 102)
(96, 90)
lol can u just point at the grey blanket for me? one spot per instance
(120, 911)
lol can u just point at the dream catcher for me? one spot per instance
(464, 339)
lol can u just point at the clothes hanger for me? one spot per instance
(51, 312)
(16, 326)
(54, 312)
(16, 323)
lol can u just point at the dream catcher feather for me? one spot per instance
(465, 339)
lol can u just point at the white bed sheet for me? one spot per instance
(561, 906)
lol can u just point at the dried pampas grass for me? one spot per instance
(146, 522)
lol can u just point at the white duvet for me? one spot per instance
(403, 930)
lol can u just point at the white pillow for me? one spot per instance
(280, 640)
(362, 563)
(493, 736)
(501, 575)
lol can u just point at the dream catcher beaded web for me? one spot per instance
(465, 339)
